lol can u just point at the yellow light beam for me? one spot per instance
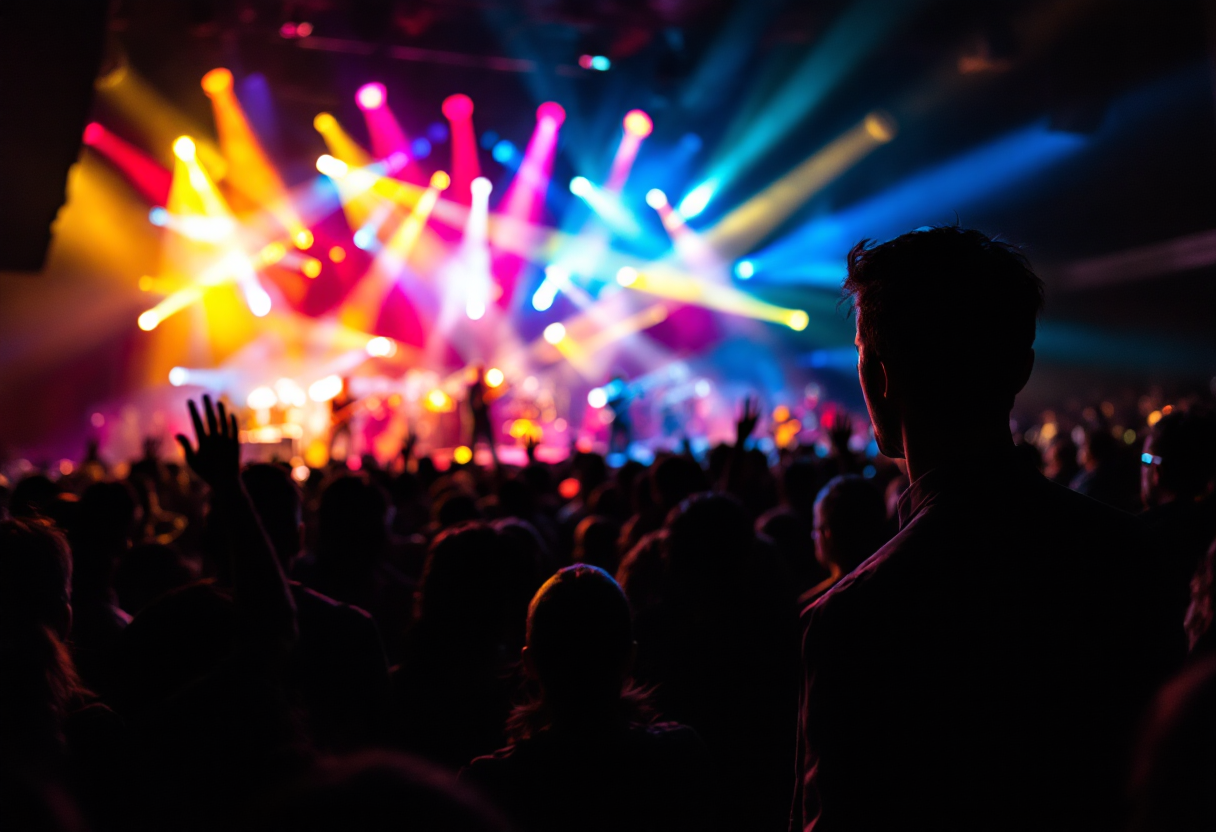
(249, 170)
(671, 284)
(339, 142)
(737, 232)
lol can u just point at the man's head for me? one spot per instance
(945, 321)
(276, 498)
(1179, 457)
(850, 522)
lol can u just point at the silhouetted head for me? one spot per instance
(850, 522)
(676, 478)
(580, 642)
(595, 540)
(276, 498)
(353, 520)
(945, 316)
(461, 595)
(709, 534)
(105, 523)
(1179, 456)
(35, 576)
(147, 572)
(454, 508)
(32, 496)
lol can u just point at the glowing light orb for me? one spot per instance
(148, 321)
(598, 397)
(655, 198)
(179, 376)
(555, 333)
(304, 29)
(600, 63)
(880, 126)
(262, 398)
(552, 112)
(481, 187)
(495, 377)
(701, 388)
(638, 123)
(290, 393)
(627, 275)
(97, 420)
(364, 239)
(272, 253)
(569, 487)
(744, 269)
(462, 455)
(798, 320)
(324, 122)
(301, 473)
(217, 81)
(325, 389)
(93, 133)
(381, 347)
(258, 300)
(331, 167)
(371, 96)
(580, 186)
(504, 152)
(440, 180)
(304, 239)
(184, 149)
(457, 107)
(159, 216)
(698, 198)
(438, 401)
(311, 267)
(475, 309)
(337, 254)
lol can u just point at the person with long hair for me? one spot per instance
(586, 751)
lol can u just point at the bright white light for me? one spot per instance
(256, 298)
(555, 333)
(655, 198)
(475, 309)
(495, 377)
(364, 238)
(262, 398)
(544, 296)
(701, 388)
(627, 275)
(798, 320)
(580, 186)
(301, 473)
(597, 398)
(381, 347)
(699, 197)
(481, 187)
(179, 376)
(744, 269)
(325, 389)
(331, 167)
(290, 393)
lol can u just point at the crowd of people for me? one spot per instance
(953, 639)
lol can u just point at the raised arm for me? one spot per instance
(262, 598)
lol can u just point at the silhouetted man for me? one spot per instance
(985, 668)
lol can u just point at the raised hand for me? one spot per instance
(531, 442)
(152, 448)
(841, 431)
(218, 456)
(747, 422)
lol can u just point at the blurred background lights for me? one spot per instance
(494, 377)
(744, 269)
(179, 376)
(381, 347)
(440, 180)
(555, 333)
(638, 123)
(655, 198)
(481, 187)
(217, 81)
(698, 198)
(325, 389)
(580, 186)
(457, 107)
(627, 275)
(597, 397)
(262, 398)
(463, 455)
(183, 148)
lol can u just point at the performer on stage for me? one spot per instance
(620, 397)
(342, 411)
(479, 409)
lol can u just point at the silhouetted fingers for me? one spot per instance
(194, 417)
(223, 418)
(207, 406)
(232, 426)
(186, 449)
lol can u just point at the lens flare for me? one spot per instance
(457, 107)
(494, 377)
(655, 198)
(555, 333)
(370, 96)
(440, 180)
(217, 81)
(638, 123)
(184, 148)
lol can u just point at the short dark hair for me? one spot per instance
(1186, 443)
(947, 305)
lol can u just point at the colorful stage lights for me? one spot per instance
(184, 148)
(597, 397)
(440, 180)
(555, 333)
(696, 200)
(481, 187)
(381, 347)
(179, 376)
(744, 269)
(331, 167)
(655, 198)
(337, 254)
(311, 267)
(494, 377)
(217, 81)
(325, 389)
(638, 123)
(580, 186)
(371, 96)
(463, 455)
(457, 107)
(797, 320)
(627, 275)
(261, 398)
(324, 122)
(556, 277)
(551, 112)
(303, 239)
(600, 63)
